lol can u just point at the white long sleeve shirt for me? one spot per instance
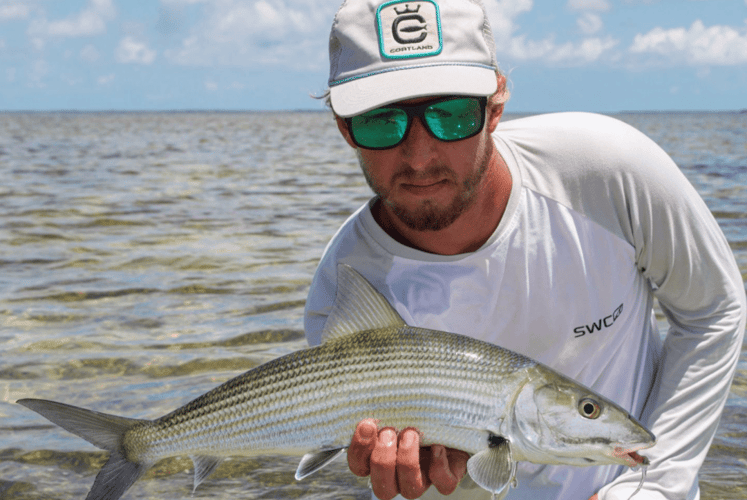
(600, 222)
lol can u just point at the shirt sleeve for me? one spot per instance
(320, 299)
(692, 272)
(615, 175)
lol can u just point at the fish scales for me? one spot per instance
(314, 398)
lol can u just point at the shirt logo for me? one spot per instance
(409, 29)
(599, 325)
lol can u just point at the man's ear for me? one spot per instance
(495, 108)
(343, 128)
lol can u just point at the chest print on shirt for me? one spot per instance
(600, 324)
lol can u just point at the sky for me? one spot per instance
(559, 55)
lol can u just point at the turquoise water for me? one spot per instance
(147, 257)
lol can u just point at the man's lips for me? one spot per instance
(424, 187)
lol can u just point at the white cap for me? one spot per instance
(386, 51)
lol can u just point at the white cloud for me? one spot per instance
(589, 23)
(13, 11)
(88, 22)
(37, 43)
(105, 79)
(212, 86)
(89, 53)
(130, 50)
(292, 33)
(566, 54)
(697, 45)
(595, 5)
(503, 16)
(37, 72)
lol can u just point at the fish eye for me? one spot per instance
(589, 408)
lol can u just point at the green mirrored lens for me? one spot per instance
(454, 119)
(379, 128)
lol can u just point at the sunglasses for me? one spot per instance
(448, 119)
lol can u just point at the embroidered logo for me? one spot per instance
(409, 29)
(599, 325)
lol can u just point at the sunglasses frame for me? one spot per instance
(418, 110)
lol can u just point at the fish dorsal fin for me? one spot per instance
(358, 307)
(312, 462)
(493, 469)
(204, 466)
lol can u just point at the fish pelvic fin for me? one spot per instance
(104, 431)
(312, 462)
(204, 466)
(358, 307)
(494, 468)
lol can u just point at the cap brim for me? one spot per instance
(364, 94)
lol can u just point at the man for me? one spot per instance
(549, 235)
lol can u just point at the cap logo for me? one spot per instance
(409, 29)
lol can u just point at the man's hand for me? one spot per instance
(397, 464)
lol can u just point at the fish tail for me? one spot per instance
(104, 431)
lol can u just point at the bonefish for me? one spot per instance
(497, 405)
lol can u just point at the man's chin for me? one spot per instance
(427, 217)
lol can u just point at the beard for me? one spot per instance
(428, 215)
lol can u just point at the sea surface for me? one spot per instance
(147, 257)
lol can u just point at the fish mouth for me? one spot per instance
(630, 457)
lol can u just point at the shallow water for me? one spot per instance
(147, 257)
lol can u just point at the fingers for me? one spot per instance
(411, 475)
(397, 464)
(384, 465)
(447, 467)
(361, 447)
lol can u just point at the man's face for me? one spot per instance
(427, 183)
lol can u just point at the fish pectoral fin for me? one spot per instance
(204, 466)
(312, 462)
(467, 483)
(493, 469)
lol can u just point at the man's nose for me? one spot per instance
(419, 147)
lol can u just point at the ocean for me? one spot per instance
(147, 257)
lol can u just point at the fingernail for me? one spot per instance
(388, 437)
(367, 431)
(437, 451)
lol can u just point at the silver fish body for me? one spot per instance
(499, 406)
(448, 386)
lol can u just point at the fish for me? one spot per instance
(499, 406)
